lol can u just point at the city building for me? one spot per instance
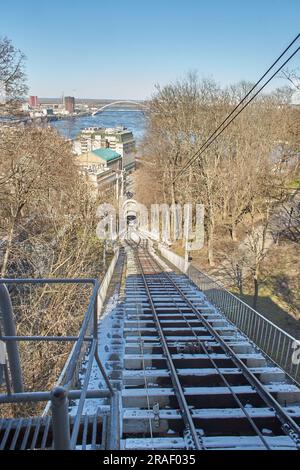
(48, 112)
(110, 182)
(25, 107)
(69, 104)
(119, 139)
(103, 167)
(33, 101)
(99, 160)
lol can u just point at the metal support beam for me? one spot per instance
(58, 339)
(97, 358)
(60, 419)
(113, 440)
(33, 397)
(9, 328)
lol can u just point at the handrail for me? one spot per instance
(67, 377)
(242, 302)
(69, 373)
(102, 291)
(9, 327)
(275, 343)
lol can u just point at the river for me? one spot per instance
(134, 120)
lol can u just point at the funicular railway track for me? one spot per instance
(196, 378)
(187, 378)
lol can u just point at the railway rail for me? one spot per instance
(204, 384)
(166, 369)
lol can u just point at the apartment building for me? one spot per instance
(118, 139)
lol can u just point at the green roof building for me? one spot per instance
(106, 154)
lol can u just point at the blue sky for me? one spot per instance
(120, 49)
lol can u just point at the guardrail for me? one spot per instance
(278, 345)
(60, 395)
(106, 280)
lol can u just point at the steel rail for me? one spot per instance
(213, 362)
(186, 413)
(141, 342)
(289, 426)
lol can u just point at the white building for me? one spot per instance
(119, 139)
(104, 169)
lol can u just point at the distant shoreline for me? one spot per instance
(97, 101)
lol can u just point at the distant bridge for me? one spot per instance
(119, 102)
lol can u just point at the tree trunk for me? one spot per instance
(7, 250)
(256, 288)
(173, 192)
(210, 243)
(239, 275)
(232, 231)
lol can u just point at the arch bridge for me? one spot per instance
(99, 110)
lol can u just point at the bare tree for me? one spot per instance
(292, 76)
(12, 74)
(47, 229)
(242, 178)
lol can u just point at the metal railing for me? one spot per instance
(277, 344)
(60, 396)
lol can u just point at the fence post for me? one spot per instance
(9, 329)
(60, 419)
